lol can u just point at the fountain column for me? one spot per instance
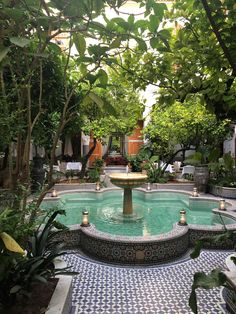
(128, 181)
(127, 202)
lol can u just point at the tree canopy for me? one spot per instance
(188, 124)
(46, 87)
(196, 55)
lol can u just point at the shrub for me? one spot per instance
(18, 271)
(94, 175)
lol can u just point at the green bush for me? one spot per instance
(136, 162)
(223, 172)
(98, 163)
(94, 175)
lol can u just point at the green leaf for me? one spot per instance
(233, 258)
(54, 48)
(97, 26)
(131, 19)
(141, 43)
(197, 249)
(80, 43)
(154, 22)
(154, 42)
(13, 13)
(159, 9)
(40, 278)
(98, 5)
(35, 265)
(193, 301)
(116, 43)
(208, 281)
(92, 78)
(84, 59)
(15, 289)
(122, 23)
(97, 50)
(20, 41)
(102, 75)
(3, 52)
(164, 33)
(142, 24)
(154, 158)
(83, 69)
(98, 100)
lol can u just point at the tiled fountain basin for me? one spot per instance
(144, 249)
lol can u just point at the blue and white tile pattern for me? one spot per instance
(109, 289)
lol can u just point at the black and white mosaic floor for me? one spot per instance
(109, 289)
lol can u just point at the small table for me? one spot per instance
(74, 166)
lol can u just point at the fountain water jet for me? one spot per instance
(128, 181)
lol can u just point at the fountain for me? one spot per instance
(151, 232)
(128, 181)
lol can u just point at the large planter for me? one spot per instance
(224, 192)
(201, 175)
(62, 297)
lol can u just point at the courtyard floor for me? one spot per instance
(161, 289)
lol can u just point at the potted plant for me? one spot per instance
(23, 271)
(200, 160)
(154, 170)
(222, 180)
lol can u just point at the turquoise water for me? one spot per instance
(159, 211)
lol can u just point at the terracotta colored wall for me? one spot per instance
(135, 140)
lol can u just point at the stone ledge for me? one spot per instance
(62, 297)
(225, 192)
(231, 276)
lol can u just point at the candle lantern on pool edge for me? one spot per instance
(182, 220)
(222, 204)
(195, 193)
(85, 219)
(148, 186)
(97, 188)
(54, 193)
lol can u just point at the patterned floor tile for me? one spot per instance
(106, 289)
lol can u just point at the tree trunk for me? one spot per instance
(170, 160)
(86, 158)
(108, 147)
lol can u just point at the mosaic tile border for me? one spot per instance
(133, 251)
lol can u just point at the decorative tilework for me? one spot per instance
(107, 289)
